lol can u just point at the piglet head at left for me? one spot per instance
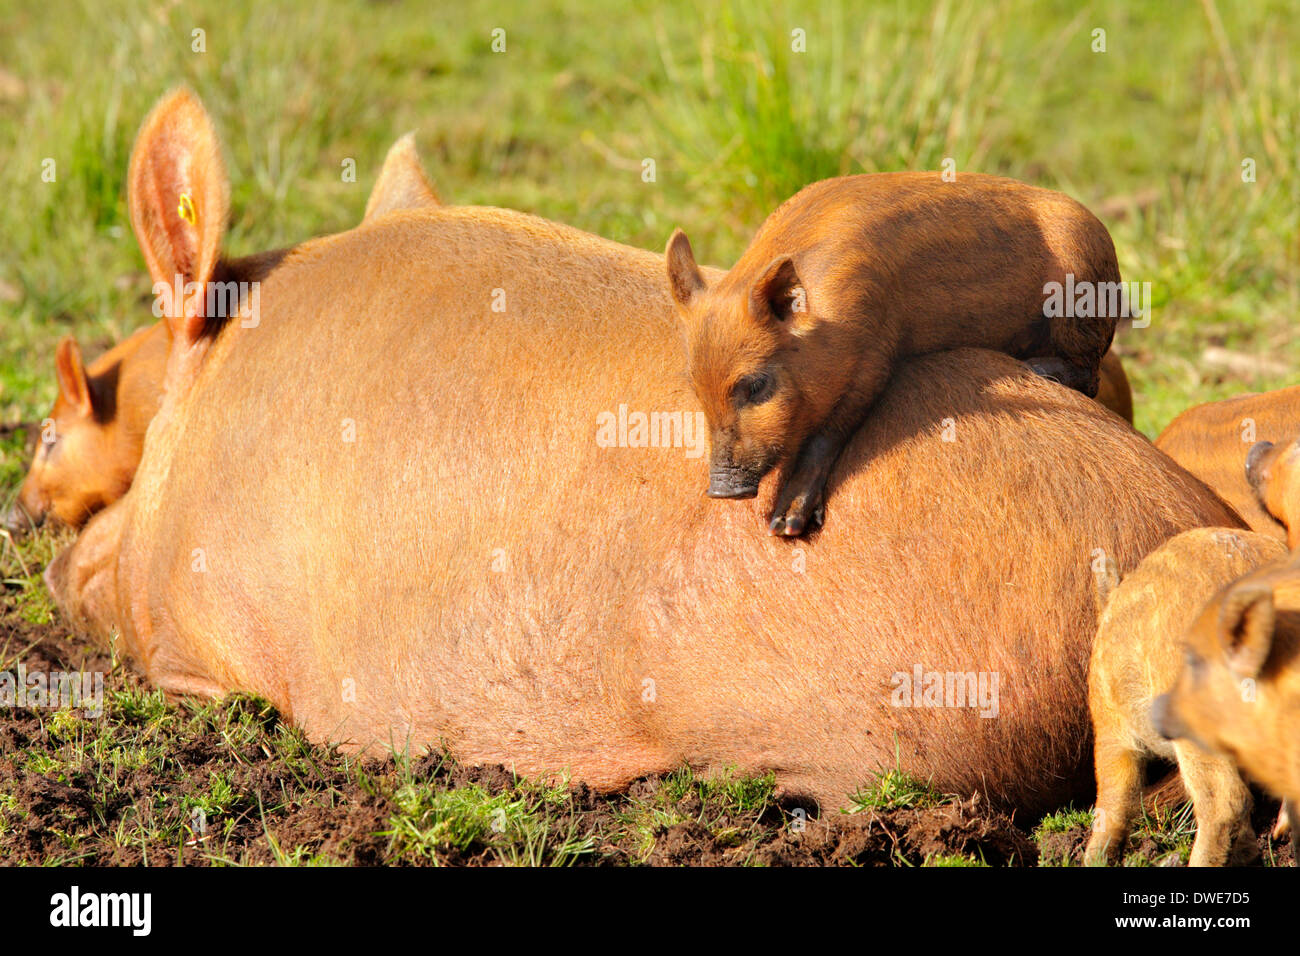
(71, 475)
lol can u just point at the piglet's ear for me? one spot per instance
(401, 183)
(74, 386)
(684, 277)
(778, 294)
(178, 195)
(1246, 624)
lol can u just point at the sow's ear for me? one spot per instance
(684, 277)
(401, 183)
(778, 293)
(1246, 623)
(74, 386)
(178, 195)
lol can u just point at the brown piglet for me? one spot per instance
(1213, 440)
(91, 442)
(1134, 659)
(1237, 694)
(790, 349)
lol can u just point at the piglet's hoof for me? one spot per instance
(801, 516)
(789, 527)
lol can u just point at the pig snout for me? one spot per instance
(728, 480)
(731, 484)
(19, 521)
(1253, 459)
(730, 475)
(1166, 722)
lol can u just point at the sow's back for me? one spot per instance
(389, 508)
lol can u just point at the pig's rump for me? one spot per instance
(397, 509)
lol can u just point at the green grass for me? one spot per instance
(531, 825)
(726, 806)
(895, 789)
(727, 793)
(1172, 830)
(34, 603)
(1152, 134)
(1066, 824)
(1063, 821)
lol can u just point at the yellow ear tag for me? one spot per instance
(186, 209)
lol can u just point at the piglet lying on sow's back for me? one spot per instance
(446, 552)
(846, 279)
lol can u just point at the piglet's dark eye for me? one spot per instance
(754, 389)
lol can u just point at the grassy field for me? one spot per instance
(1152, 134)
